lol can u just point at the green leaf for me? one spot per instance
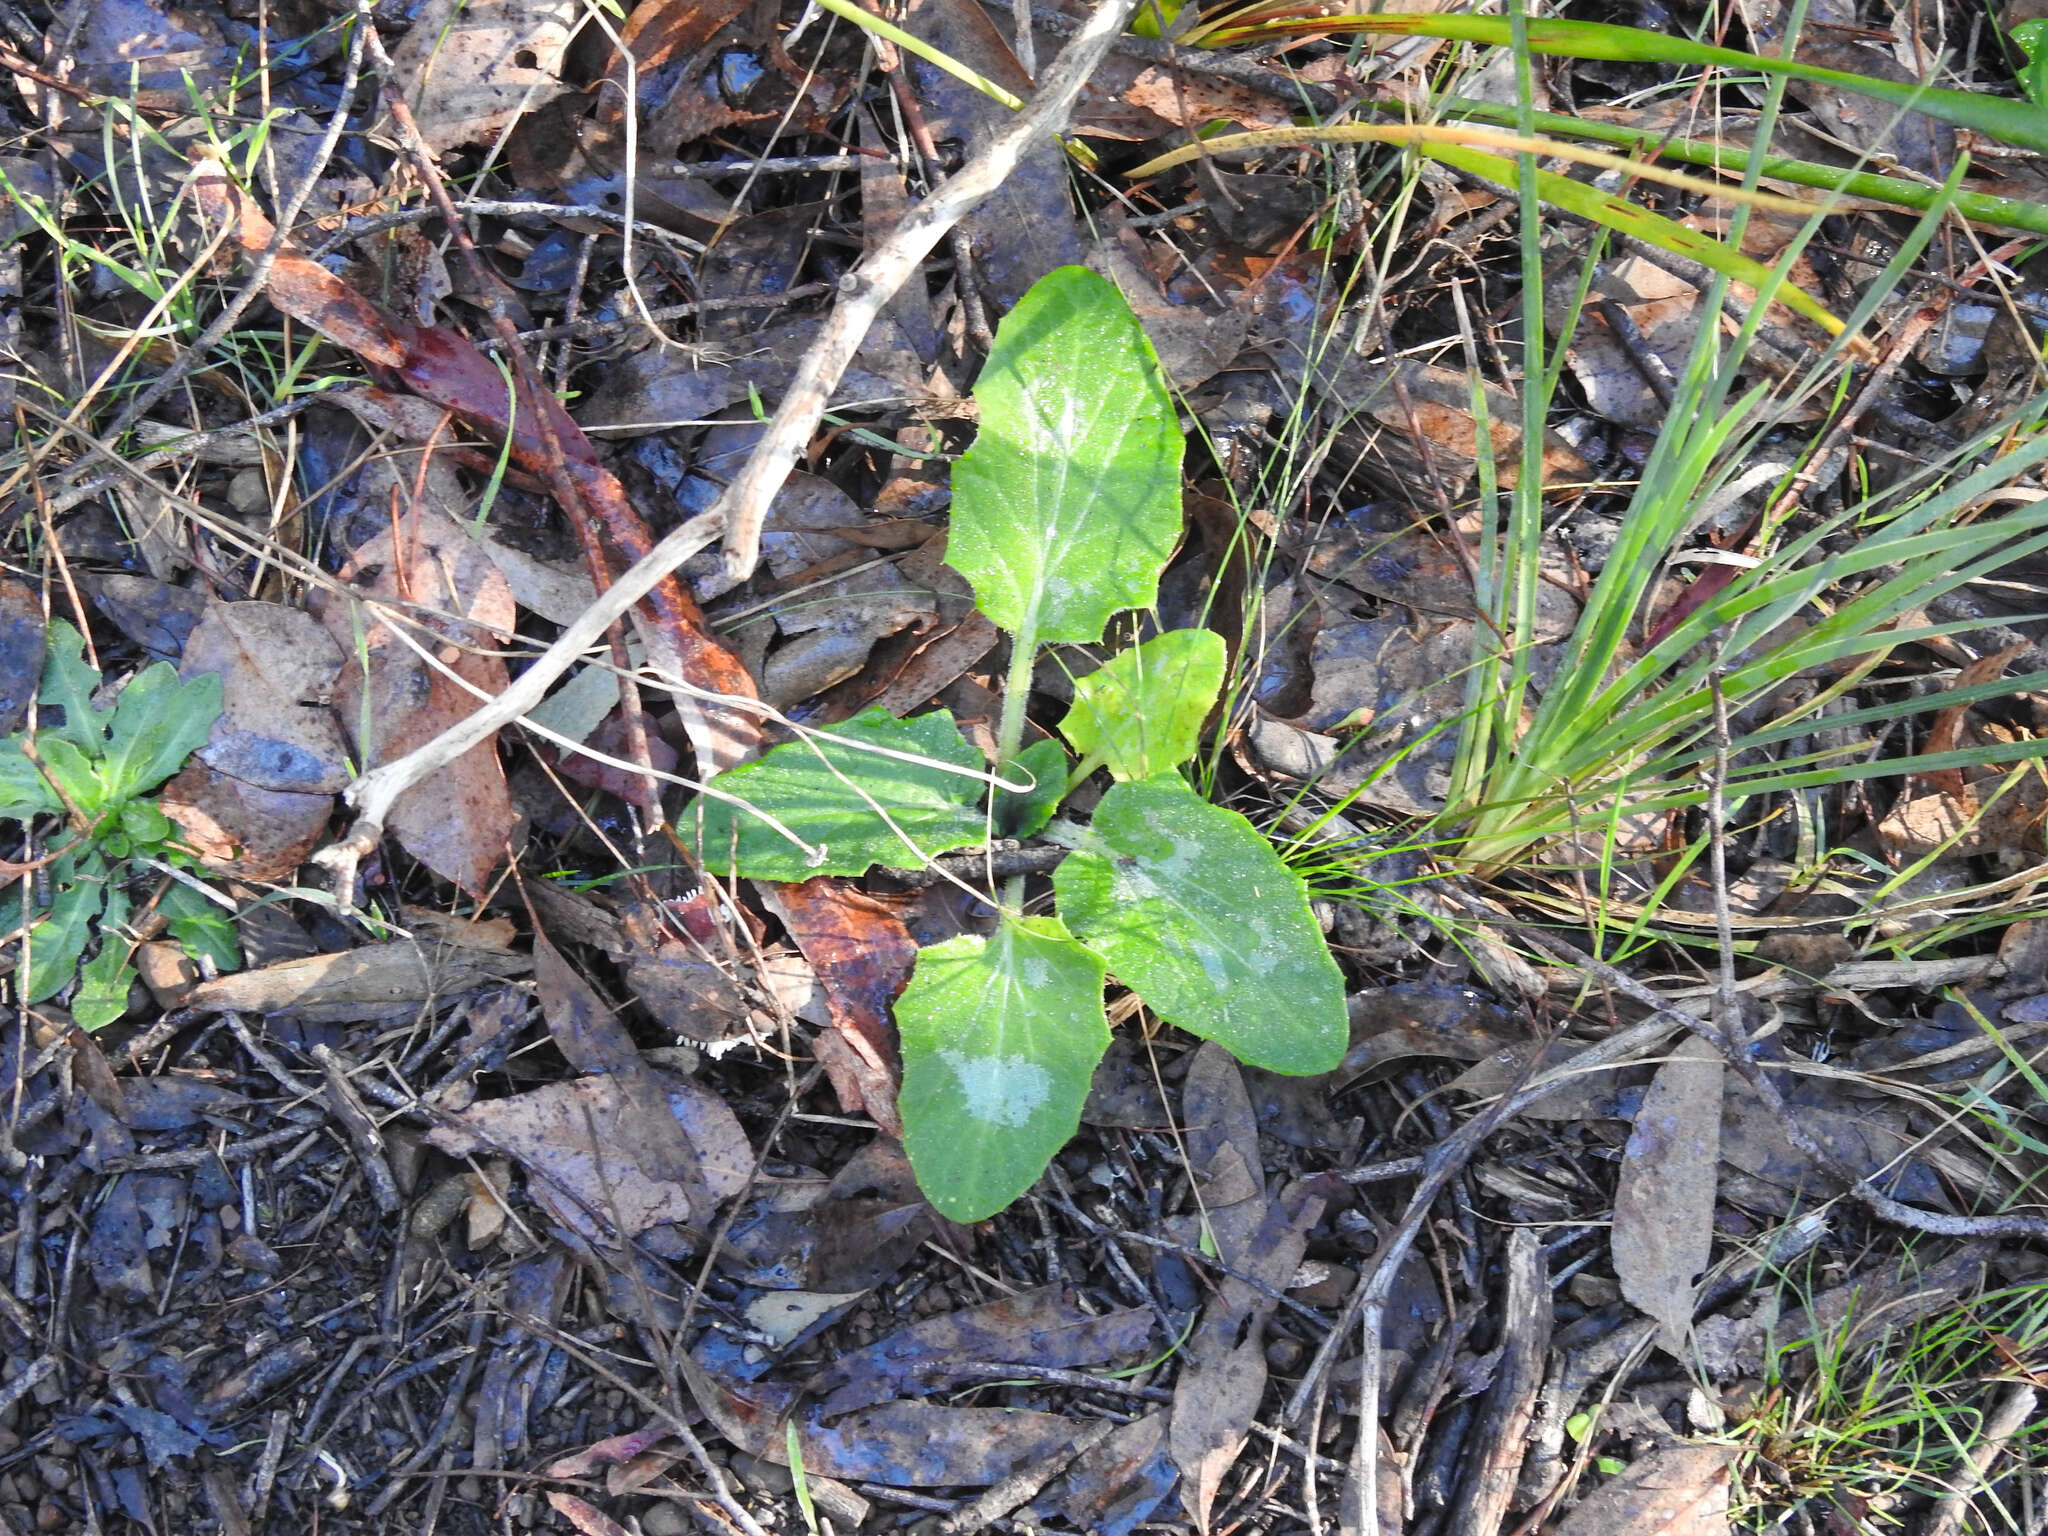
(75, 773)
(2033, 78)
(1023, 814)
(1141, 713)
(102, 995)
(143, 822)
(23, 792)
(69, 683)
(827, 793)
(1068, 504)
(1196, 913)
(56, 943)
(158, 723)
(205, 930)
(1001, 1037)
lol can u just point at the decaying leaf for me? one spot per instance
(862, 955)
(927, 1445)
(277, 669)
(597, 1158)
(1672, 1490)
(1217, 1394)
(1664, 1205)
(456, 607)
(1438, 411)
(470, 67)
(1041, 1327)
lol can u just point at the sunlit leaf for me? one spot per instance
(158, 723)
(1195, 912)
(1067, 507)
(1141, 712)
(884, 792)
(1001, 1037)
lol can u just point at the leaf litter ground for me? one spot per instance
(552, 1187)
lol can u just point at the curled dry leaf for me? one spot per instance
(1664, 1205)
(862, 955)
(370, 976)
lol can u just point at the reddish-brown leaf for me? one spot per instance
(862, 955)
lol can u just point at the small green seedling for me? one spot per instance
(93, 770)
(1065, 512)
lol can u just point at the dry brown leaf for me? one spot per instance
(468, 68)
(1223, 1375)
(594, 1156)
(862, 955)
(277, 669)
(241, 830)
(1441, 402)
(1674, 1490)
(1664, 1204)
(392, 699)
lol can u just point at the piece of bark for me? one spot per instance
(1494, 1463)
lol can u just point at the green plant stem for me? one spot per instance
(1010, 731)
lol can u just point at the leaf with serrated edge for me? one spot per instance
(56, 943)
(69, 682)
(1141, 712)
(828, 793)
(158, 723)
(1068, 504)
(1195, 913)
(1001, 1037)
(23, 792)
(102, 993)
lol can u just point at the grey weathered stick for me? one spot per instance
(1503, 1438)
(2013, 1413)
(740, 511)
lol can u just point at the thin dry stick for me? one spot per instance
(741, 510)
(1441, 1165)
